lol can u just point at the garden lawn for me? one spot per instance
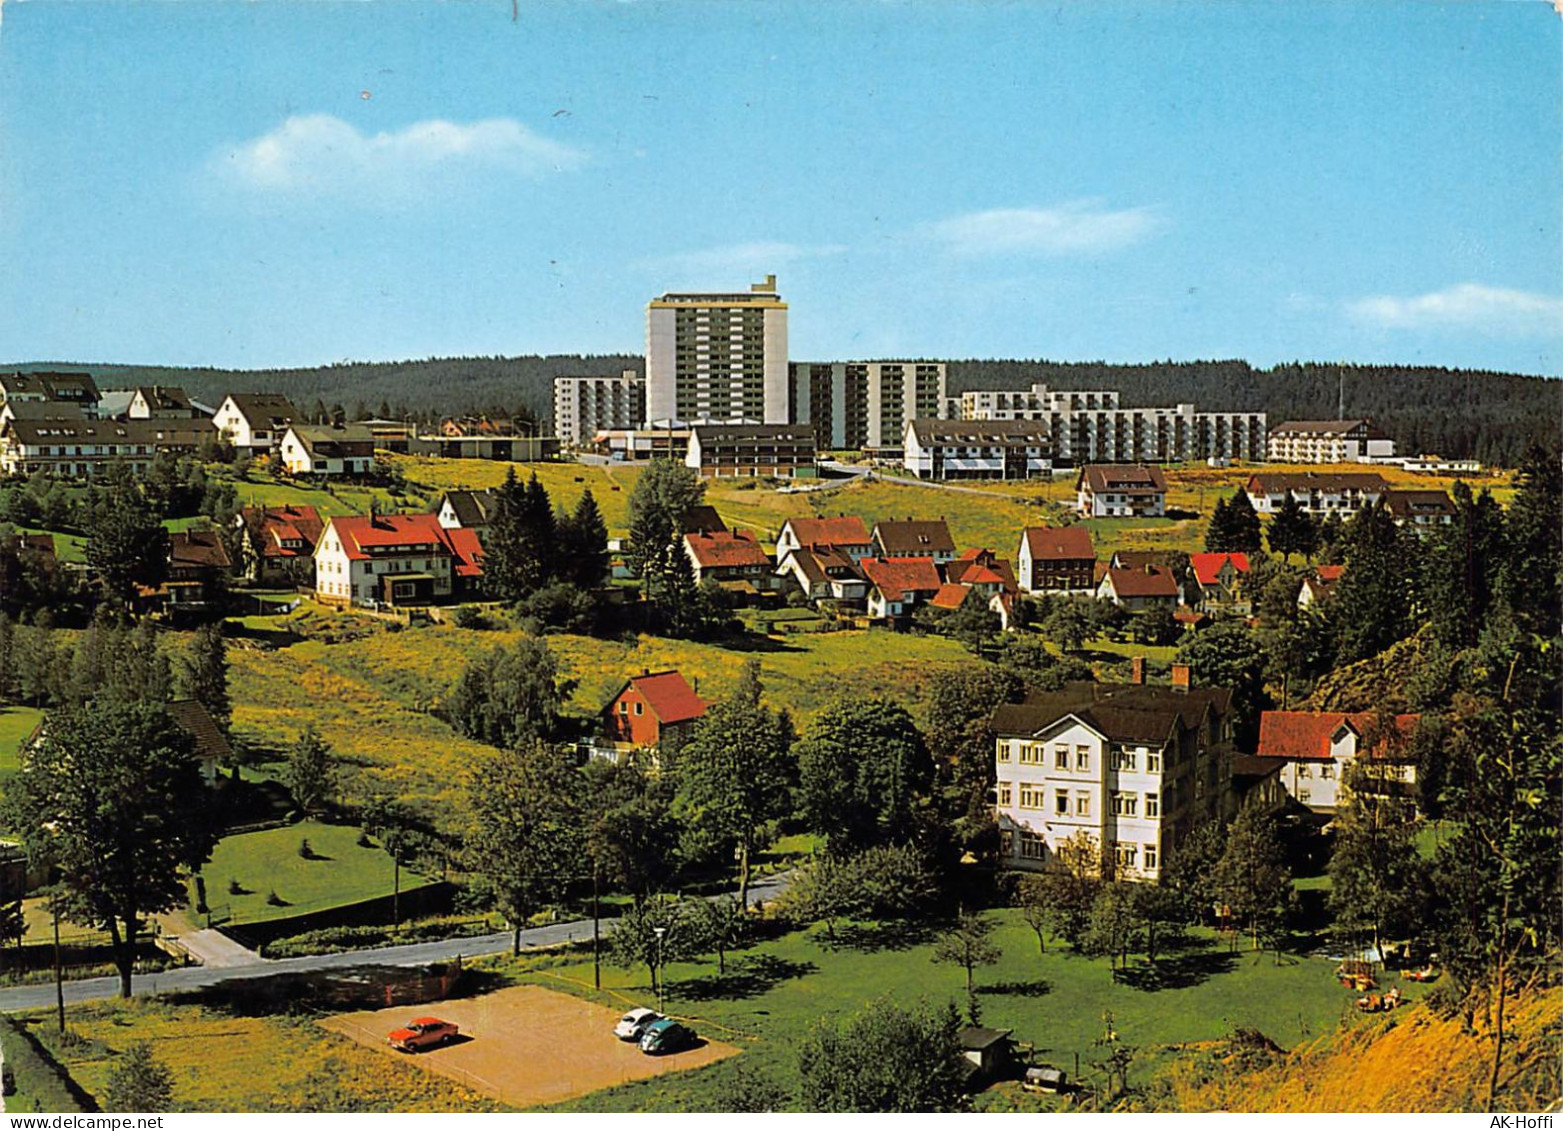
(268, 861)
(227, 1062)
(67, 547)
(16, 723)
(1056, 1001)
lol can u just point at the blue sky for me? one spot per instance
(258, 184)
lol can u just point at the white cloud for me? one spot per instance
(1078, 227)
(319, 153)
(756, 258)
(1468, 306)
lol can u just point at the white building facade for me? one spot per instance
(585, 406)
(717, 357)
(864, 405)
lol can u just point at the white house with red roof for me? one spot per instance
(844, 533)
(1320, 586)
(650, 711)
(394, 559)
(823, 573)
(733, 559)
(1320, 746)
(896, 586)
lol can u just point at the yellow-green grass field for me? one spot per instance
(16, 723)
(371, 698)
(340, 871)
(223, 1061)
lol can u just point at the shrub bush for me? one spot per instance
(335, 940)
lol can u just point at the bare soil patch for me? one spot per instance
(526, 1045)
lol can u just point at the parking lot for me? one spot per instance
(525, 1045)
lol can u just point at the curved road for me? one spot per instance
(18, 998)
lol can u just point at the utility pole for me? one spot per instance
(596, 934)
(59, 976)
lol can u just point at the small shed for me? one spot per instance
(988, 1053)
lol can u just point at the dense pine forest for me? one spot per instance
(1492, 417)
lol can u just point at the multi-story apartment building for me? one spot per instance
(717, 357)
(1328, 441)
(81, 448)
(1129, 767)
(1092, 426)
(864, 405)
(77, 389)
(585, 406)
(780, 451)
(1317, 493)
(977, 449)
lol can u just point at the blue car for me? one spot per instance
(666, 1035)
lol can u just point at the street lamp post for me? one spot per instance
(661, 995)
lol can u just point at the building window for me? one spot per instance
(1152, 805)
(1003, 751)
(1125, 855)
(1032, 847)
(640, 708)
(1006, 842)
(1031, 796)
(1125, 804)
(1061, 802)
(1082, 758)
(1125, 759)
(1005, 794)
(1304, 770)
(1153, 762)
(624, 708)
(1327, 770)
(1031, 754)
(1082, 805)
(1151, 858)
(1061, 757)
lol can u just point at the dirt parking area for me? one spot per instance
(525, 1045)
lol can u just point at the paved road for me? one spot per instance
(19, 998)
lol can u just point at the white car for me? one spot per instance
(634, 1023)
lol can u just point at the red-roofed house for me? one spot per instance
(279, 543)
(393, 559)
(732, 558)
(898, 585)
(1320, 586)
(651, 711)
(1319, 746)
(1139, 589)
(1219, 578)
(1056, 559)
(845, 533)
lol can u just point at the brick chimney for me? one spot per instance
(1180, 677)
(1137, 670)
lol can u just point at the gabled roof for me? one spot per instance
(895, 577)
(725, 548)
(801, 435)
(468, 551)
(1122, 712)
(1328, 573)
(1330, 482)
(1207, 566)
(1148, 582)
(472, 508)
(1319, 427)
(51, 385)
(913, 536)
(988, 433)
(1305, 736)
(668, 694)
(360, 534)
(192, 717)
(193, 549)
(981, 567)
(843, 530)
(275, 526)
(267, 409)
(41, 544)
(333, 441)
(46, 410)
(1410, 504)
(822, 563)
(152, 433)
(950, 596)
(1059, 543)
(1121, 479)
(701, 519)
(164, 398)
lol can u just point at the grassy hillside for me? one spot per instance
(1413, 1060)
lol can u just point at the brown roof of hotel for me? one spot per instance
(1059, 543)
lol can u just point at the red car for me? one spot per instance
(423, 1033)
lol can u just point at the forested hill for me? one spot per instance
(1455, 413)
